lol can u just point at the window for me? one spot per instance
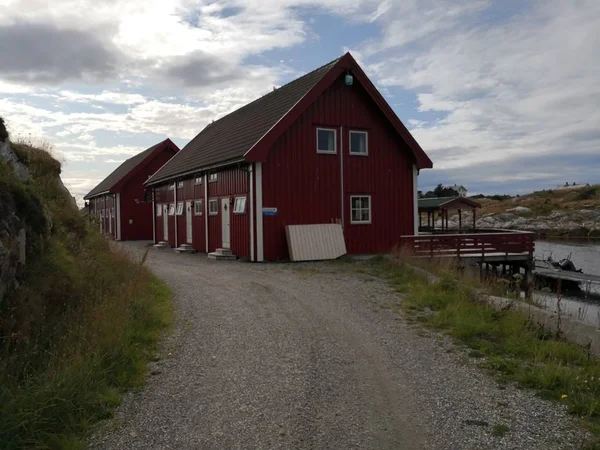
(172, 209)
(359, 144)
(213, 207)
(159, 210)
(198, 180)
(360, 209)
(212, 177)
(179, 184)
(198, 208)
(180, 208)
(171, 187)
(326, 140)
(102, 213)
(239, 206)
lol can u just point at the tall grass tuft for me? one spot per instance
(81, 328)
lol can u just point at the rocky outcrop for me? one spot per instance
(24, 220)
(583, 222)
(7, 155)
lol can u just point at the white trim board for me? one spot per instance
(118, 214)
(415, 200)
(259, 216)
(206, 212)
(251, 208)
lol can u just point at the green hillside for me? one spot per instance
(78, 321)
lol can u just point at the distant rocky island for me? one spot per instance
(573, 213)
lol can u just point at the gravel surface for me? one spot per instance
(311, 356)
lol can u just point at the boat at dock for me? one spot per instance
(552, 273)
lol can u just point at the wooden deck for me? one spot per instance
(569, 276)
(485, 245)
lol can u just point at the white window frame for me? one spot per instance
(180, 208)
(366, 133)
(172, 209)
(213, 177)
(370, 209)
(171, 187)
(236, 209)
(198, 180)
(327, 152)
(159, 209)
(179, 184)
(102, 214)
(197, 211)
(213, 201)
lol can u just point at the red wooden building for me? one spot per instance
(323, 148)
(118, 201)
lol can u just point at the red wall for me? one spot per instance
(230, 183)
(305, 186)
(133, 206)
(104, 203)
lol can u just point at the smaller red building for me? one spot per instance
(118, 201)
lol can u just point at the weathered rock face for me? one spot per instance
(7, 155)
(23, 218)
(582, 222)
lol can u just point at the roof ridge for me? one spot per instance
(275, 90)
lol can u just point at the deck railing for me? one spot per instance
(457, 245)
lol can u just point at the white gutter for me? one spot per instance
(342, 173)
(206, 212)
(251, 208)
(259, 216)
(415, 200)
(175, 215)
(154, 218)
(118, 214)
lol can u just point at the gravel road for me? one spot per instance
(311, 356)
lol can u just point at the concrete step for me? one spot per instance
(221, 257)
(224, 251)
(186, 249)
(162, 244)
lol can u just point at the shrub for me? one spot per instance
(587, 193)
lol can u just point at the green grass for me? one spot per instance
(512, 347)
(81, 328)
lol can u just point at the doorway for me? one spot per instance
(165, 223)
(225, 221)
(188, 222)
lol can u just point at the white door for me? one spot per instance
(225, 222)
(165, 223)
(110, 221)
(188, 221)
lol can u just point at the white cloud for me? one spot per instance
(526, 86)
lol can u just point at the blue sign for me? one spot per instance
(269, 211)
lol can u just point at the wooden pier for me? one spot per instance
(495, 251)
(482, 245)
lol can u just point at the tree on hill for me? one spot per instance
(441, 191)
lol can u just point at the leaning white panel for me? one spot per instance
(315, 242)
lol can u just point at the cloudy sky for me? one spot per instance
(503, 95)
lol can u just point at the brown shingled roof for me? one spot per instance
(229, 138)
(124, 169)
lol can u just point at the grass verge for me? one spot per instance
(511, 345)
(66, 375)
(83, 324)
